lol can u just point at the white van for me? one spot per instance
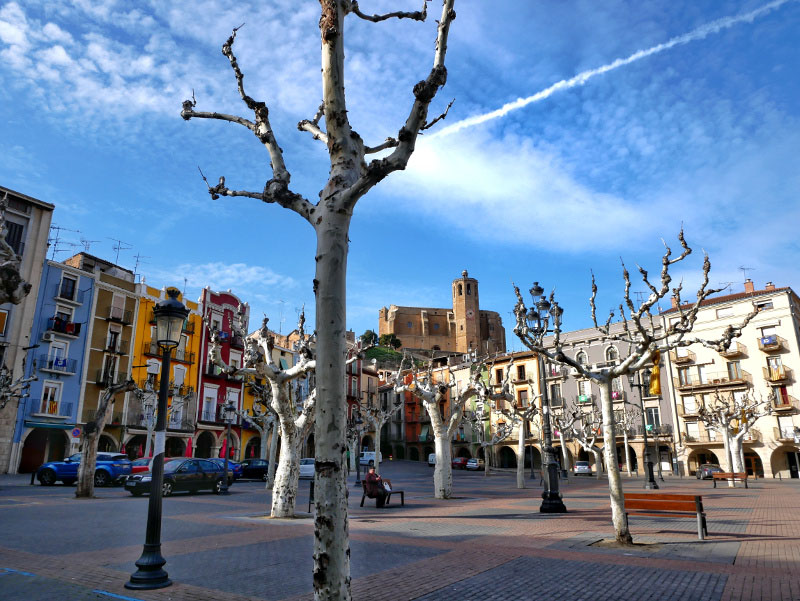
(432, 459)
(367, 458)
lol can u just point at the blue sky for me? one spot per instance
(703, 133)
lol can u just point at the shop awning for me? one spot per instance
(53, 425)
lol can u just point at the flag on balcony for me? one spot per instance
(655, 376)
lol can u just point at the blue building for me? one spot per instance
(47, 425)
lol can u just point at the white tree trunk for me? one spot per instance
(273, 451)
(618, 517)
(331, 537)
(443, 472)
(521, 455)
(564, 455)
(598, 461)
(287, 476)
(736, 454)
(627, 450)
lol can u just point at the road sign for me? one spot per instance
(76, 433)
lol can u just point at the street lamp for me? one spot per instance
(228, 415)
(538, 319)
(170, 315)
(354, 425)
(650, 483)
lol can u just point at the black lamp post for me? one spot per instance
(170, 315)
(228, 413)
(650, 483)
(355, 428)
(538, 319)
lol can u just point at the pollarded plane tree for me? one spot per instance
(644, 342)
(480, 420)
(506, 404)
(627, 417)
(295, 422)
(733, 415)
(16, 390)
(90, 438)
(563, 421)
(587, 422)
(264, 420)
(350, 177)
(13, 288)
(377, 415)
(434, 391)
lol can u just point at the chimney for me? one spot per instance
(748, 286)
(769, 286)
(674, 300)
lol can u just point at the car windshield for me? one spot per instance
(581, 463)
(171, 466)
(75, 457)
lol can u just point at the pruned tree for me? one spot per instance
(586, 427)
(478, 421)
(627, 418)
(349, 179)
(11, 389)
(433, 394)
(637, 329)
(295, 423)
(264, 420)
(13, 288)
(505, 403)
(563, 421)
(377, 415)
(353, 436)
(91, 437)
(732, 415)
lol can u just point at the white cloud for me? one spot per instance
(222, 276)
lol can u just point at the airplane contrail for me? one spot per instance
(581, 78)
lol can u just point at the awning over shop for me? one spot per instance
(53, 425)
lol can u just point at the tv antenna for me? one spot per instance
(56, 241)
(639, 297)
(744, 270)
(120, 245)
(139, 261)
(87, 243)
(281, 319)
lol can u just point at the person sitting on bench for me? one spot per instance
(376, 487)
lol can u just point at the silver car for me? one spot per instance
(582, 467)
(307, 467)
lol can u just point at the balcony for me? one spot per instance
(777, 374)
(736, 349)
(690, 411)
(752, 436)
(786, 433)
(57, 365)
(704, 437)
(118, 347)
(119, 315)
(684, 356)
(715, 380)
(785, 403)
(173, 390)
(237, 341)
(68, 294)
(662, 431)
(557, 401)
(45, 408)
(617, 395)
(151, 349)
(209, 414)
(104, 379)
(556, 372)
(771, 344)
(63, 327)
(585, 398)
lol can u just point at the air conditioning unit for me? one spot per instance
(48, 337)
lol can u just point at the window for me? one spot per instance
(209, 404)
(113, 339)
(460, 290)
(584, 391)
(692, 431)
(51, 395)
(57, 356)
(653, 417)
(410, 325)
(555, 395)
(725, 312)
(684, 379)
(498, 375)
(63, 313)
(522, 397)
(734, 370)
(469, 289)
(689, 405)
(3, 321)
(611, 354)
(581, 358)
(769, 331)
(763, 306)
(701, 374)
(436, 326)
(520, 372)
(69, 286)
(117, 307)
(781, 395)
(14, 236)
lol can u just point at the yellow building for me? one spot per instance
(184, 374)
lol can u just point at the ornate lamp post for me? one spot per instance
(538, 319)
(170, 315)
(650, 483)
(228, 415)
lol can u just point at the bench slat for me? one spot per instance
(662, 514)
(661, 496)
(663, 505)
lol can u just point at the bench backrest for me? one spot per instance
(665, 502)
(723, 475)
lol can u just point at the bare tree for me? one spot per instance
(350, 178)
(586, 427)
(644, 341)
(433, 394)
(733, 416)
(563, 421)
(627, 417)
(12, 287)
(264, 420)
(91, 437)
(478, 420)
(295, 423)
(377, 415)
(505, 403)
(11, 389)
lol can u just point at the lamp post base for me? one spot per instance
(150, 574)
(551, 498)
(651, 483)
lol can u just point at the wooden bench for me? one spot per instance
(667, 506)
(388, 495)
(731, 476)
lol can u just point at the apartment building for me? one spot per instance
(762, 363)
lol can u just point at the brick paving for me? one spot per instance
(488, 543)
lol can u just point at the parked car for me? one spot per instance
(110, 468)
(475, 464)
(460, 462)
(367, 458)
(707, 470)
(181, 474)
(582, 467)
(255, 468)
(141, 465)
(432, 459)
(233, 466)
(307, 467)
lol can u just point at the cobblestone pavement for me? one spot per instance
(490, 542)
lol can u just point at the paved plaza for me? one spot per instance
(488, 543)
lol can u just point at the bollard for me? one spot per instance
(310, 494)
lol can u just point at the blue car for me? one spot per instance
(234, 467)
(111, 468)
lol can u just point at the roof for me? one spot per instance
(729, 298)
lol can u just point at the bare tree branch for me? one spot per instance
(442, 116)
(12, 287)
(419, 15)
